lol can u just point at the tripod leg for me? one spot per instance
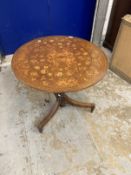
(80, 104)
(48, 116)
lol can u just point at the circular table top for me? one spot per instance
(59, 64)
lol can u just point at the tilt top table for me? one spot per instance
(59, 64)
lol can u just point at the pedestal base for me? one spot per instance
(61, 100)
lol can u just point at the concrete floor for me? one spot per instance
(75, 141)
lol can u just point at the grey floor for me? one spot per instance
(75, 141)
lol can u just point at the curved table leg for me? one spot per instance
(61, 100)
(79, 104)
(48, 116)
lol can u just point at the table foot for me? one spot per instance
(61, 100)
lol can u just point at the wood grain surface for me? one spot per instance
(59, 64)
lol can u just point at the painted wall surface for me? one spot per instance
(21, 21)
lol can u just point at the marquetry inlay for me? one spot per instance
(59, 63)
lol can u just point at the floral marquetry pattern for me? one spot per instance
(59, 64)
